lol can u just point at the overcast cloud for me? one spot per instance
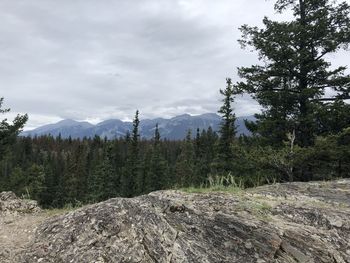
(94, 60)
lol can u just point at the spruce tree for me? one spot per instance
(333, 118)
(80, 171)
(185, 164)
(49, 192)
(103, 182)
(225, 156)
(95, 184)
(131, 172)
(205, 155)
(70, 180)
(291, 83)
(35, 177)
(16, 182)
(157, 174)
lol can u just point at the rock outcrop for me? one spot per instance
(18, 219)
(10, 203)
(289, 223)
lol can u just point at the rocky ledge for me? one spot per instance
(11, 204)
(296, 222)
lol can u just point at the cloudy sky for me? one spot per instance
(94, 60)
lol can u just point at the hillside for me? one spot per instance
(174, 129)
(290, 223)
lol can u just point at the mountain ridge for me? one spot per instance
(174, 128)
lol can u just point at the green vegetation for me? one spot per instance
(59, 211)
(8, 132)
(300, 135)
(225, 154)
(292, 82)
(227, 184)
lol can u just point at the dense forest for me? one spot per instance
(302, 133)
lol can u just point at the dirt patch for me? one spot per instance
(16, 232)
(19, 219)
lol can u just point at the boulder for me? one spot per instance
(289, 223)
(10, 203)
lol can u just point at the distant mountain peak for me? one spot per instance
(110, 121)
(182, 116)
(210, 115)
(68, 122)
(174, 129)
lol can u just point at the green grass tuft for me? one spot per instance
(227, 184)
(226, 189)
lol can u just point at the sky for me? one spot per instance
(95, 60)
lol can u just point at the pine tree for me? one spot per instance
(17, 181)
(333, 118)
(8, 132)
(35, 177)
(157, 174)
(205, 155)
(292, 82)
(225, 156)
(103, 182)
(80, 172)
(70, 180)
(95, 189)
(51, 184)
(199, 164)
(111, 186)
(131, 171)
(185, 164)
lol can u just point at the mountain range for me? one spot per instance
(173, 129)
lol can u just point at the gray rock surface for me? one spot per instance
(10, 203)
(297, 222)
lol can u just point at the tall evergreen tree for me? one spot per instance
(111, 179)
(225, 157)
(103, 182)
(35, 178)
(292, 82)
(131, 171)
(80, 171)
(70, 179)
(16, 182)
(157, 174)
(49, 192)
(185, 164)
(205, 155)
